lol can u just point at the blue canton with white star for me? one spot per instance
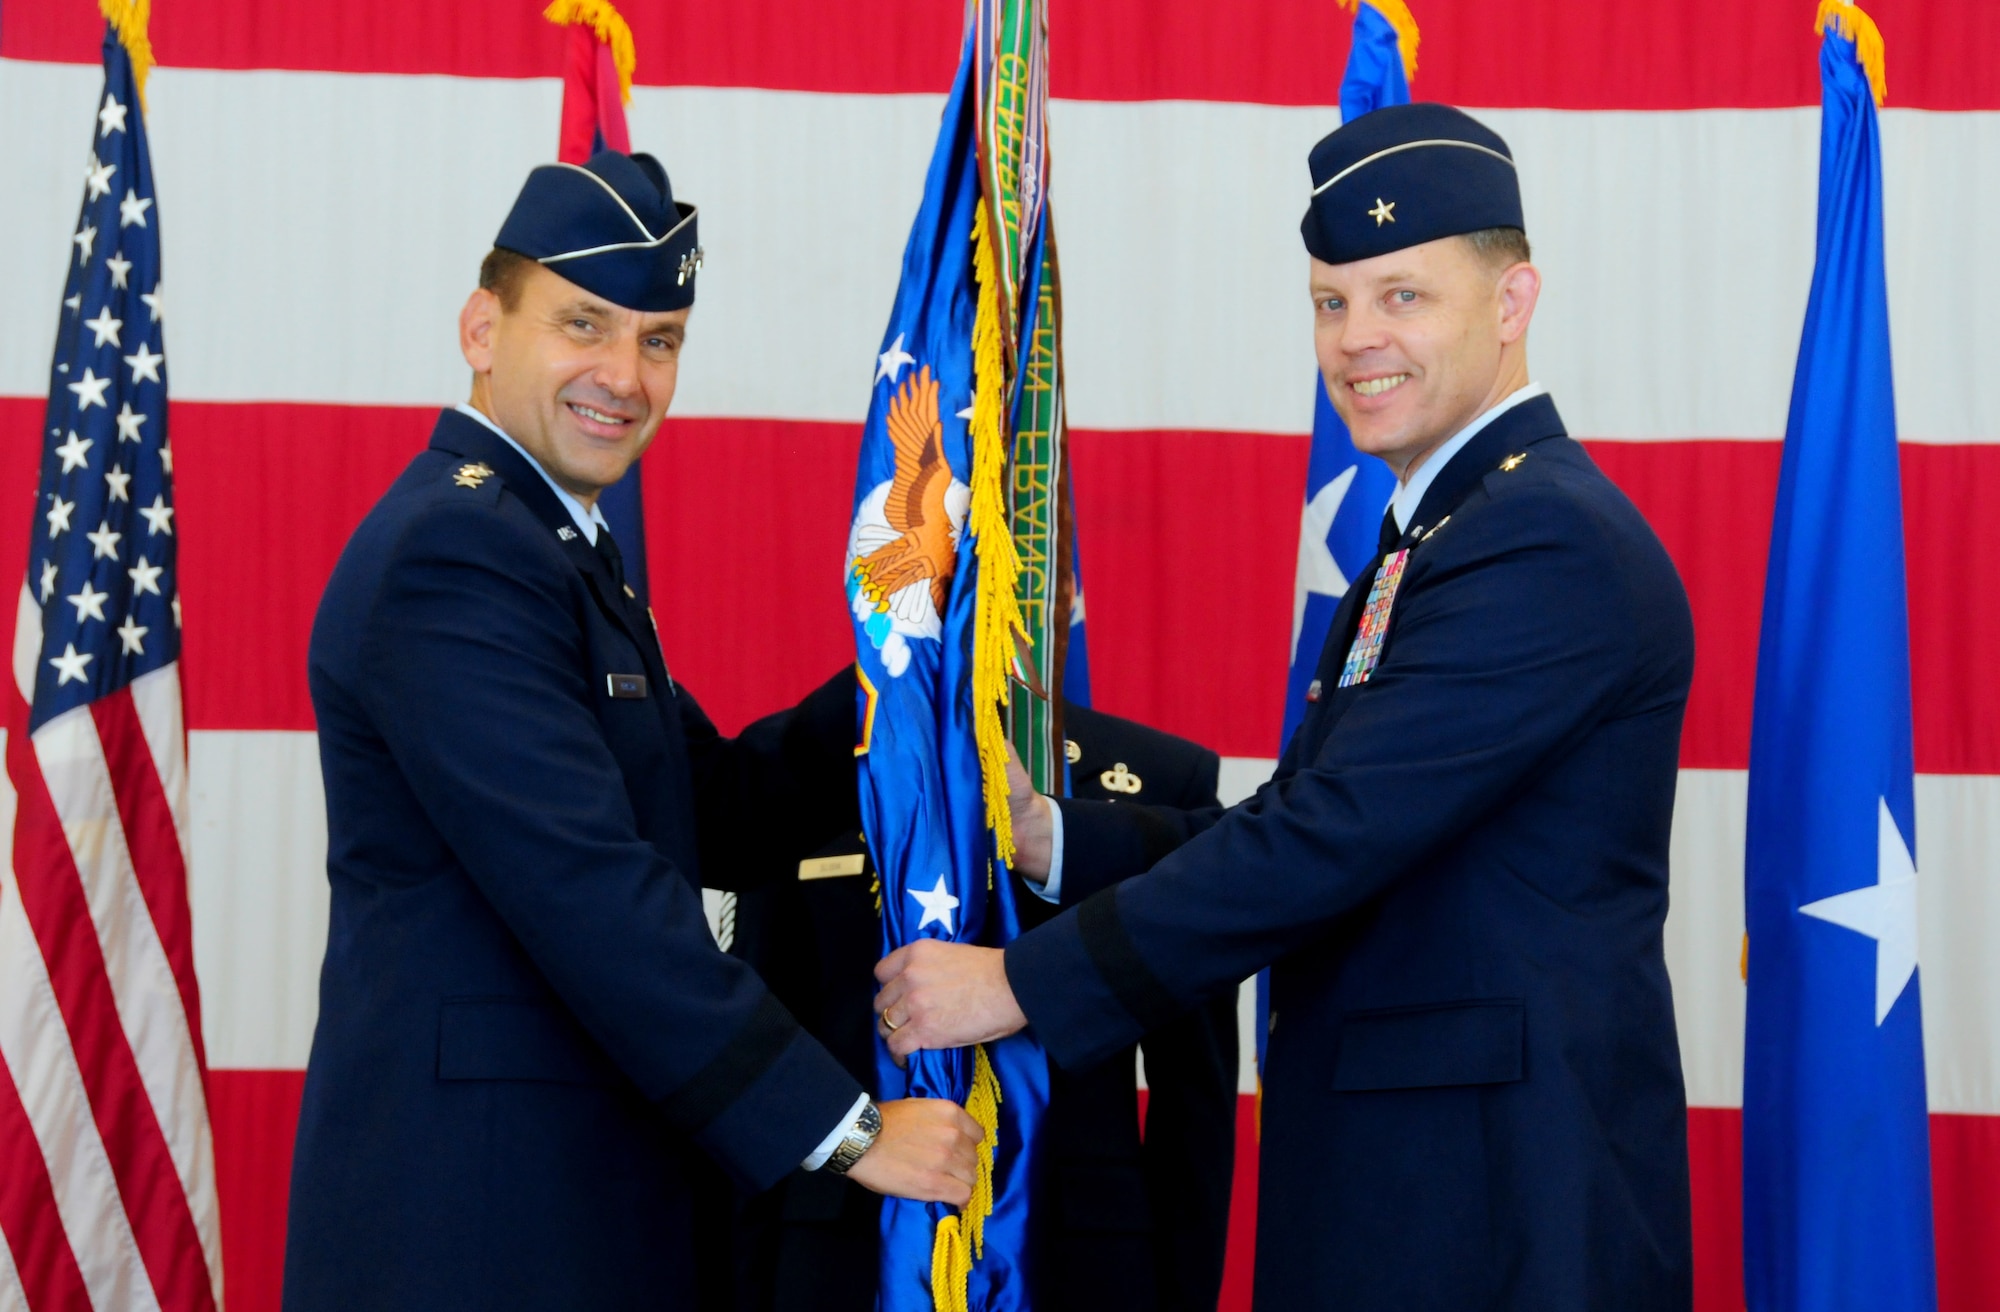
(101, 562)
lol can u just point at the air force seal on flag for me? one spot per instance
(904, 544)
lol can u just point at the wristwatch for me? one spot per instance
(860, 1138)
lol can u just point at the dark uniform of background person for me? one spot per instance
(1119, 1225)
(527, 1039)
(1458, 873)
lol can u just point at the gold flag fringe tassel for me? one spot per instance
(997, 617)
(961, 1240)
(1405, 23)
(130, 19)
(1849, 21)
(611, 29)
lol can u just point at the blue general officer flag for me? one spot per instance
(912, 589)
(1836, 1159)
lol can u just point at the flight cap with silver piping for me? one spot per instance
(1407, 174)
(612, 227)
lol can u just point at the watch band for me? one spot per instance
(860, 1138)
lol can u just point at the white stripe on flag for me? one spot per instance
(13, 1298)
(1677, 246)
(157, 698)
(143, 989)
(35, 1044)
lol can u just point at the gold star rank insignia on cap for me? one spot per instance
(1384, 211)
(472, 475)
(1513, 462)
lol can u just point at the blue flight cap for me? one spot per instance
(1403, 175)
(612, 227)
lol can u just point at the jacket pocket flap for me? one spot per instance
(1481, 1042)
(516, 1039)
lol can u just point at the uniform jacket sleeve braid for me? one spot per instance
(474, 675)
(780, 790)
(1511, 640)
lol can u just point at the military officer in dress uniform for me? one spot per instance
(526, 1035)
(1458, 874)
(1122, 1223)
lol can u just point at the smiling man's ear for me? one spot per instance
(475, 329)
(1520, 289)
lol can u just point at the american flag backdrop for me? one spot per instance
(334, 172)
(107, 1171)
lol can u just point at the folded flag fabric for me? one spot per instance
(1836, 1157)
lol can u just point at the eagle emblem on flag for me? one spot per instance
(903, 547)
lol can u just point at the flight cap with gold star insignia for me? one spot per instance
(1403, 175)
(612, 227)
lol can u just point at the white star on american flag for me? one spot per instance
(90, 391)
(70, 664)
(145, 577)
(119, 482)
(130, 634)
(75, 453)
(105, 328)
(159, 517)
(104, 542)
(145, 364)
(89, 603)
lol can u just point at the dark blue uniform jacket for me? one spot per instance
(1473, 1093)
(1125, 1220)
(525, 1029)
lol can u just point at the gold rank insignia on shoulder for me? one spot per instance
(1071, 752)
(1513, 462)
(1120, 780)
(472, 475)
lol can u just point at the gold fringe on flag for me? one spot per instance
(997, 617)
(1850, 22)
(611, 29)
(130, 19)
(961, 1240)
(1405, 23)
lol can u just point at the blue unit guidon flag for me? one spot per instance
(1836, 1147)
(912, 579)
(107, 1175)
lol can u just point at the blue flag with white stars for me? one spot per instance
(1836, 1146)
(101, 559)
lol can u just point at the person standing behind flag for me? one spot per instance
(1836, 1135)
(525, 1029)
(1459, 871)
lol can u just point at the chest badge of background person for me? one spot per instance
(1071, 752)
(1366, 653)
(473, 474)
(1120, 780)
(1312, 692)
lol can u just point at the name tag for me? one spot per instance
(626, 687)
(833, 867)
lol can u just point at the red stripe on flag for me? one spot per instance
(1189, 545)
(29, 1223)
(1700, 54)
(154, 844)
(256, 1117)
(53, 897)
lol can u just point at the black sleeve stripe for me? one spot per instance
(756, 1047)
(1132, 981)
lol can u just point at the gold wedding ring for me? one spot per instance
(888, 1024)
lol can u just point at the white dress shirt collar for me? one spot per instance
(587, 520)
(1410, 494)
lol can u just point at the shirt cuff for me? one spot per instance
(1050, 889)
(832, 1141)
